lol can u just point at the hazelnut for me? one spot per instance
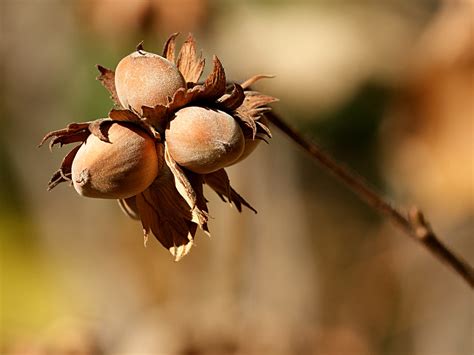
(204, 140)
(120, 168)
(146, 79)
(251, 144)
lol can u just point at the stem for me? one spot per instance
(413, 223)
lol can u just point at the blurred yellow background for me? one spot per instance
(385, 86)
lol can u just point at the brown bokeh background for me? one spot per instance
(385, 86)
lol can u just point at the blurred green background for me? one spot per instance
(385, 86)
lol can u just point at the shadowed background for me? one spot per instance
(385, 87)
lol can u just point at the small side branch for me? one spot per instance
(413, 223)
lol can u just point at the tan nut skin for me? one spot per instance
(204, 140)
(146, 79)
(120, 169)
(251, 144)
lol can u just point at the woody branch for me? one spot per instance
(412, 223)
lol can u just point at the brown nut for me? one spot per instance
(118, 169)
(251, 144)
(146, 79)
(204, 140)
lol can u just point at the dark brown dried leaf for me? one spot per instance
(232, 101)
(160, 115)
(107, 79)
(184, 97)
(129, 116)
(156, 116)
(166, 214)
(74, 132)
(215, 85)
(219, 182)
(123, 115)
(129, 207)
(64, 172)
(100, 129)
(181, 98)
(170, 48)
(197, 182)
(139, 47)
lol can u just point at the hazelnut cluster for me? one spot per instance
(167, 135)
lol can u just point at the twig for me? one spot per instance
(413, 223)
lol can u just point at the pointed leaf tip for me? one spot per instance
(189, 63)
(107, 79)
(219, 182)
(169, 48)
(191, 194)
(100, 129)
(166, 214)
(180, 251)
(139, 47)
(101, 69)
(233, 100)
(250, 81)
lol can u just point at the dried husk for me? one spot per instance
(220, 183)
(251, 143)
(165, 213)
(129, 207)
(173, 206)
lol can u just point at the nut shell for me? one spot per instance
(118, 169)
(251, 144)
(204, 140)
(146, 79)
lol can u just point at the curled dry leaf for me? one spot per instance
(250, 81)
(129, 207)
(220, 183)
(170, 48)
(73, 133)
(64, 172)
(186, 190)
(107, 79)
(189, 63)
(130, 116)
(233, 100)
(99, 128)
(215, 84)
(197, 183)
(173, 206)
(123, 115)
(156, 116)
(252, 109)
(78, 132)
(165, 213)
